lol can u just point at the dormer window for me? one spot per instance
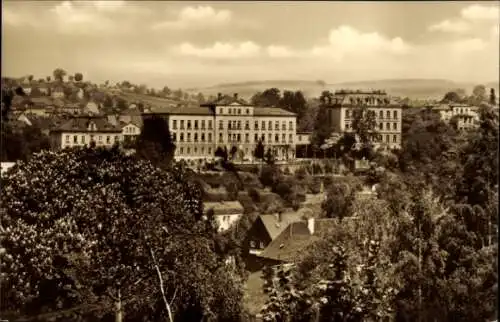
(221, 111)
(92, 126)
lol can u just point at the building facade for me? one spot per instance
(230, 122)
(465, 116)
(387, 114)
(80, 131)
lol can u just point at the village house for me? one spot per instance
(463, 116)
(226, 213)
(130, 131)
(43, 88)
(82, 130)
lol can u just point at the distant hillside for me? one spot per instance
(412, 88)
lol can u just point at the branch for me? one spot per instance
(161, 286)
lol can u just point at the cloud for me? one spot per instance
(480, 12)
(450, 26)
(470, 17)
(220, 50)
(346, 40)
(196, 17)
(280, 52)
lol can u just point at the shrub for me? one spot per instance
(254, 194)
(287, 171)
(317, 168)
(301, 173)
(269, 175)
(314, 186)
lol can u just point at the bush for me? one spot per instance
(254, 194)
(247, 202)
(287, 171)
(269, 175)
(314, 186)
(317, 169)
(301, 173)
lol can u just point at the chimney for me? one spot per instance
(310, 225)
(279, 216)
(235, 95)
(219, 96)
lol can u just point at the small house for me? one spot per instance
(226, 213)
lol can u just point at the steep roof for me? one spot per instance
(295, 238)
(181, 111)
(227, 100)
(81, 123)
(274, 227)
(224, 207)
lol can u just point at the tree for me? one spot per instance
(451, 97)
(269, 157)
(259, 152)
(493, 99)
(154, 143)
(78, 77)
(30, 78)
(178, 94)
(79, 251)
(108, 102)
(71, 78)
(59, 74)
(222, 153)
(200, 98)
(269, 97)
(294, 102)
(48, 78)
(339, 199)
(322, 128)
(479, 91)
(121, 104)
(166, 91)
(233, 152)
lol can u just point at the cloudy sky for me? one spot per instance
(187, 44)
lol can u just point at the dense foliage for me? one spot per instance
(84, 229)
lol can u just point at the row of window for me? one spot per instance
(195, 150)
(231, 125)
(131, 130)
(380, 126)
(380, 138)
(108, 138)
(349, 114)
(231, 137)
(234, 111)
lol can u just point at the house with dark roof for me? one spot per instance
(80, 131)
(228, 122)
(225, 213)
(294, 240)
(130, 131)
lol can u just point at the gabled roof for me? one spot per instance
(224, 207)
(122, 124)
(295, 238)
(274, 227)
(81, 124)
(227, 100)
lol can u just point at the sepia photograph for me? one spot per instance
(253, 161)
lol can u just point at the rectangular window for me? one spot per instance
(290, 126)
(174, 137)
(182, 124)
(182, 150)
(195, 124)
(283, 126)
(239, 125)
(202, 137)
(394, 126)
(188, 137)
(188, 150)
(189, 125)
(387, 126)
(290, 138)
(67, 138)
(221, 125)
(182, 137)
(209, 150)
(234, 137)
(395, 138)
(229, 138)
(247, 138)
(269, 138)
(256, 137)
(221, 139)
(202, 150)
(239, 111)
(221, 110)
(270, 125)
(263, 138)
(209, 137)
(83, 139)
(239, 137)
(381, 126)
(256, 125)
(203, 124)
(263, 125)
(196, 137)
(108, 139)
(276, 138)
(100, 138)
(229, 125)
(276, 125)
(347, 114)
(247, 125)
(347, 126)
(174, 124)
(195, 150)
(395, 114)
(388, 114)
(283, 138)
(387, 138)
(75, 139)
(117, 138)
(381, 114)
(210, 124)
